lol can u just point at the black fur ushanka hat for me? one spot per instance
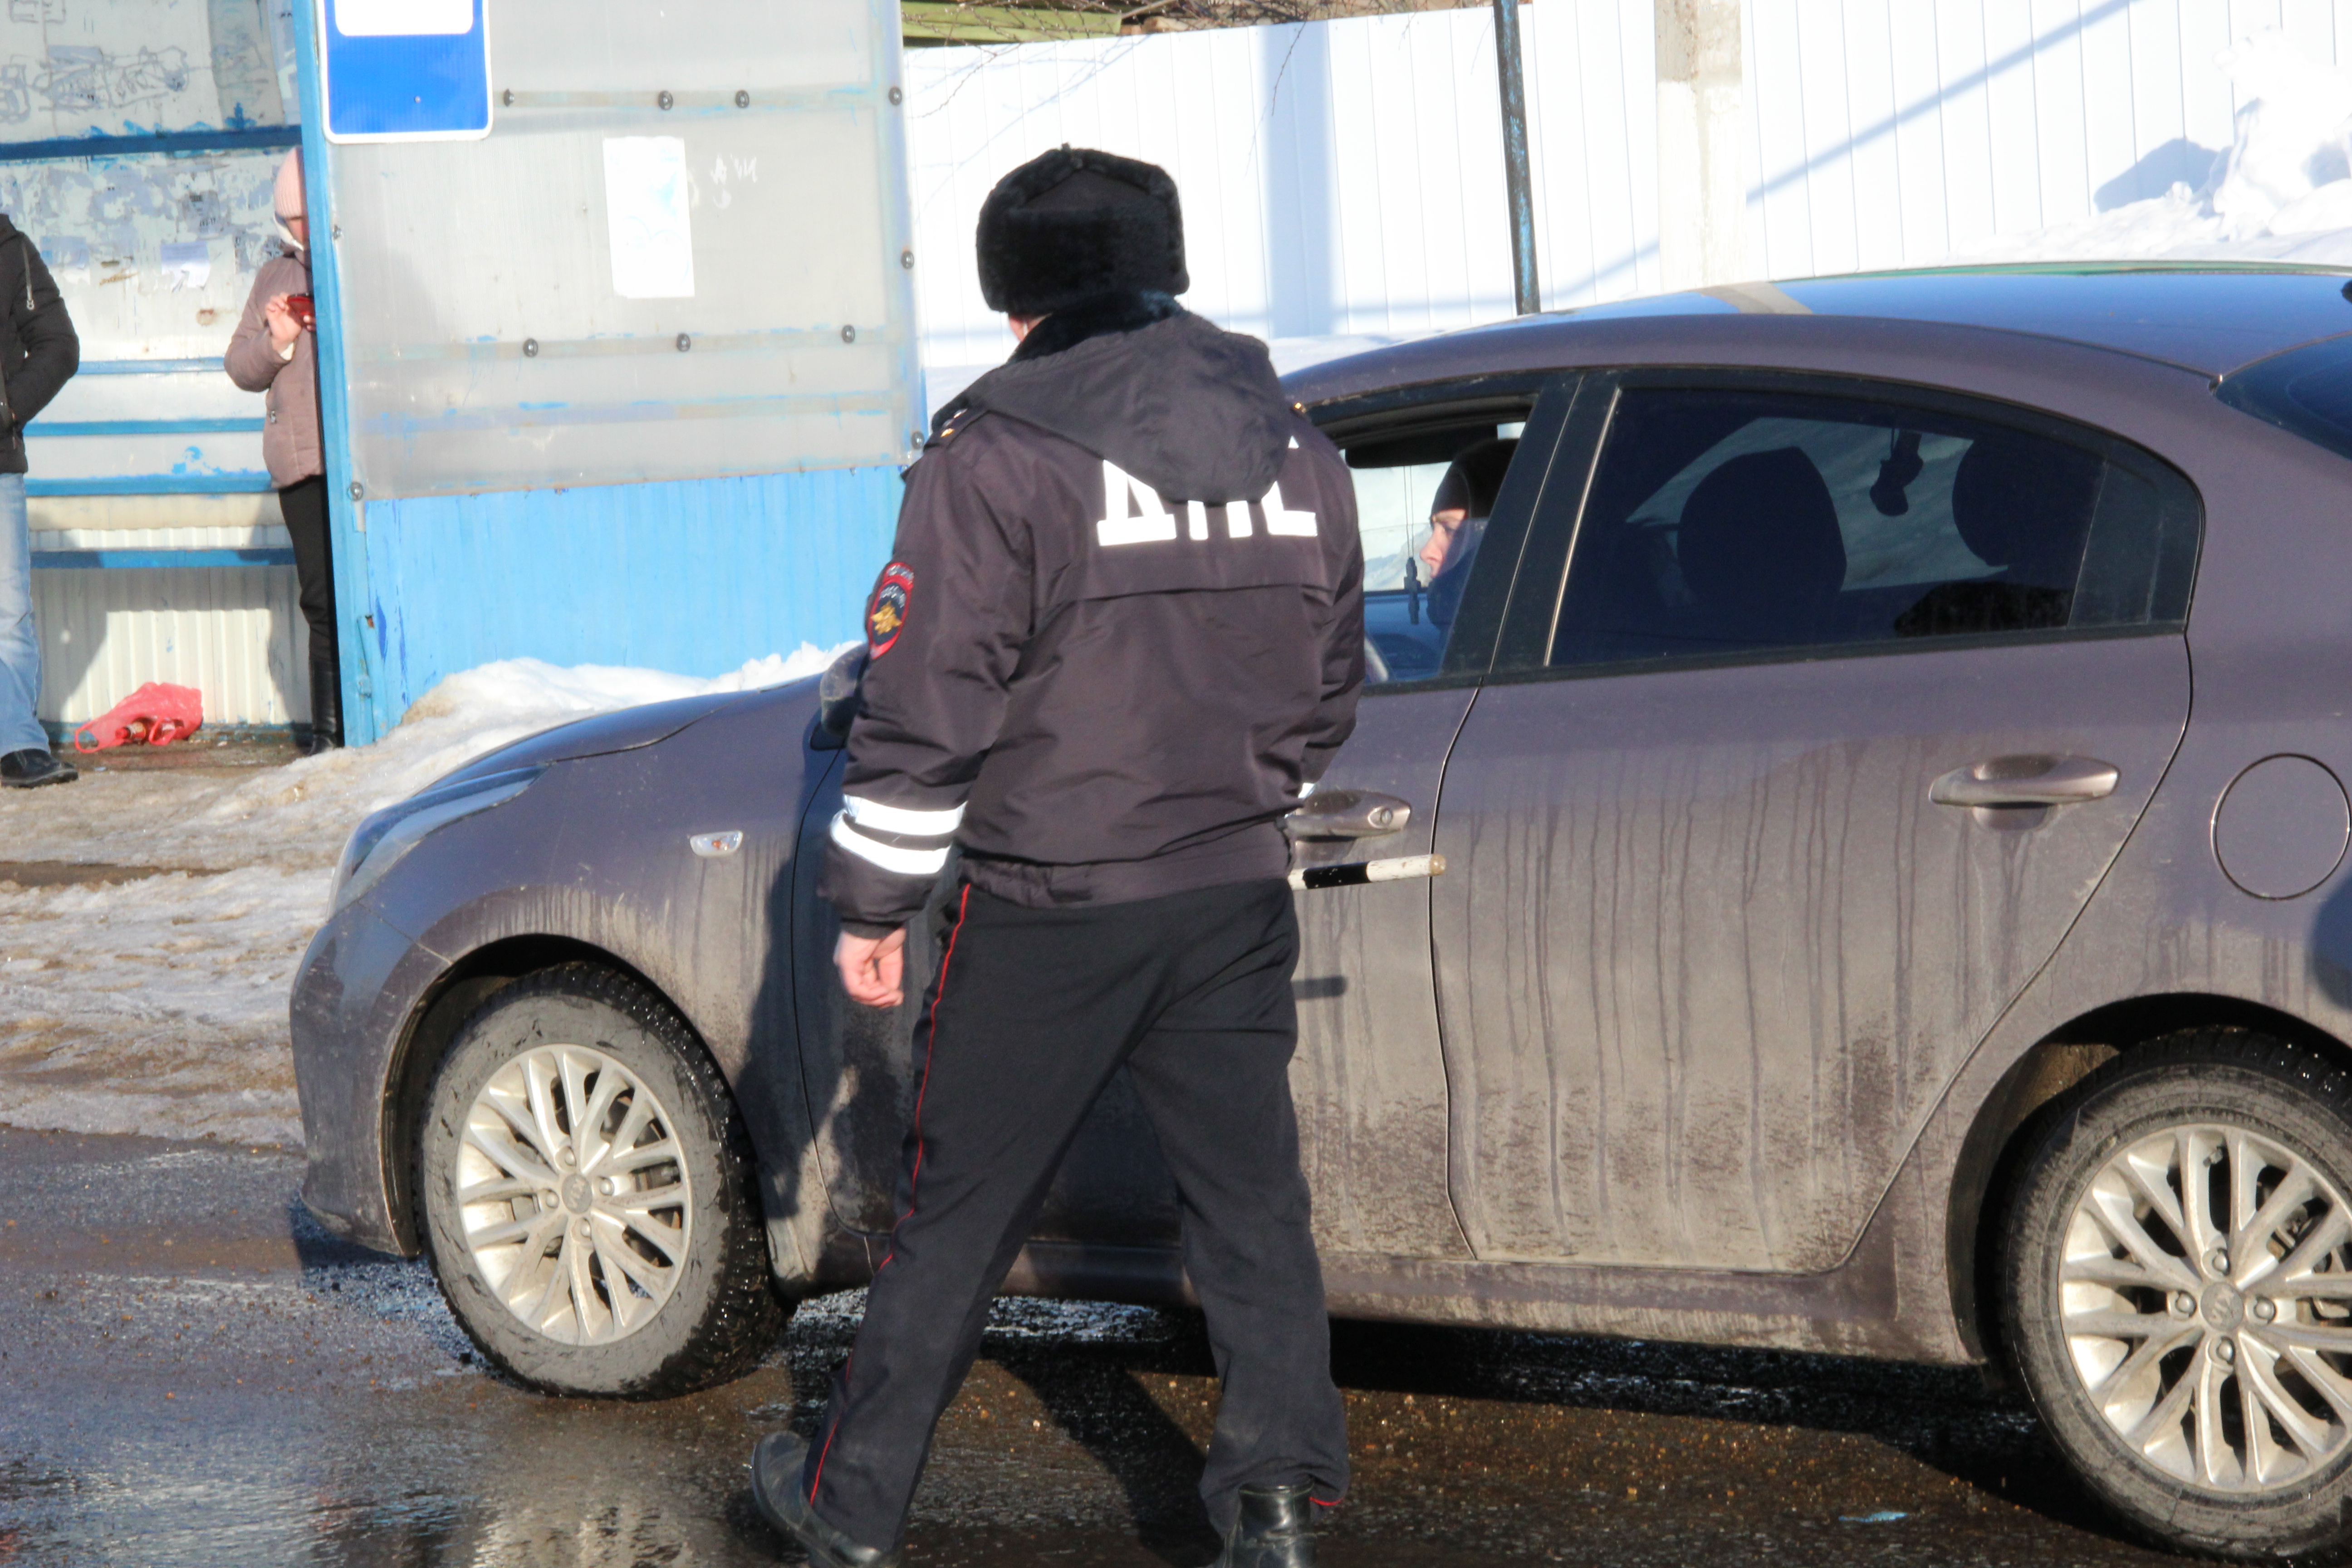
(1076, 224)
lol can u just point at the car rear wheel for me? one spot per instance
(2177, 1281)
(589, 1195)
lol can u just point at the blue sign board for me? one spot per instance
(406, 70)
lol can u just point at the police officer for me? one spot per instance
(1120, 634)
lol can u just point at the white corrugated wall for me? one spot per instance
(1341, 180)
(234, 633)
(1344, 178)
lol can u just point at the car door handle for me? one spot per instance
(1347, 814)
(2026, 781)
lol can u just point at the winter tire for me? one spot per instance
(2176, 1292)
(588, 1195)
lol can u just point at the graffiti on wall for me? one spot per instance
(114, 68)
(154, 253)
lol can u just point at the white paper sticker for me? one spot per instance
(403, 18)
(646, 196)
(188, 265)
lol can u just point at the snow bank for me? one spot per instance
(157, 1004)
(2283, 192)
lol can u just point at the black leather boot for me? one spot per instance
(776, 1467)
(1275, 1529)
(326, 709)
(31, 769)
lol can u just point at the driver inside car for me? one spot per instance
(1457, 522)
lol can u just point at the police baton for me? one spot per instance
(1355, 874)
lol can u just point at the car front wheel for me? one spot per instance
(589, 1197)
(2177, 1281)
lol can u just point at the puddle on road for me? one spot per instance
(325, 1409)
(364, 1432)
(364, 1435)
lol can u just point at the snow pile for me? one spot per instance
(156, 1003)
(2282, 192)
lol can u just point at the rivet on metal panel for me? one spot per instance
(530, 348)
(906, 259)
(507, 98)
(685, 341)
(849, 334)
(665, 99)
(915, 440)
(358, 490)
(742, 98)
(898, 96)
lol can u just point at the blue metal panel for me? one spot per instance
(690, 575)
(152, 485)
(140, 427)
(229, 140)
(117, 560)
(365, 707)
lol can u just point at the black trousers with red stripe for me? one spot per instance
(1031, 1014)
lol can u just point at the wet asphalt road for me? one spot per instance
(191, 1373)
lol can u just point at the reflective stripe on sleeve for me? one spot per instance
(899, 819)
(906, 862)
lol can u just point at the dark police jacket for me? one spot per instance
(1120, 629)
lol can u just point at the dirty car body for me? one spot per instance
(1785, 885)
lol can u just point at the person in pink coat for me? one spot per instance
(274, 351)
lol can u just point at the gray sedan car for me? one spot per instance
(1886, 737)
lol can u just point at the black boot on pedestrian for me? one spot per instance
(1275, 1529)
(32, 768)
(776, 1467)
(325, 710)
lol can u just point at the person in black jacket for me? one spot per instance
(38, 354)
(1120, 634)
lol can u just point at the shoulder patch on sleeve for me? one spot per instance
(885, 612)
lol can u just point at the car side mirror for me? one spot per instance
(836, 699)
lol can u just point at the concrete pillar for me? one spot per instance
(1702, 130)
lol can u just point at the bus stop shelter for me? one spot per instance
(617, 358)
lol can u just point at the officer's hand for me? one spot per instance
(872, 967)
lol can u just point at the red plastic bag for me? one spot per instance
(155, 713)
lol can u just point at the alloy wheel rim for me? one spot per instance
(2206, 1299)
(574, 1199)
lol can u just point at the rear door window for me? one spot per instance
(1739, 522)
